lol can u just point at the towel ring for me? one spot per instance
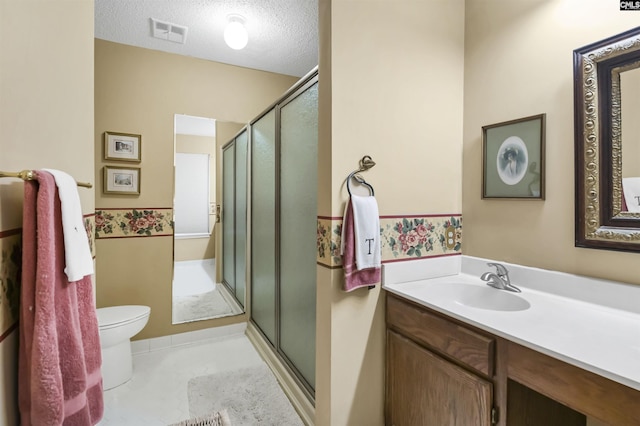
(360, 180)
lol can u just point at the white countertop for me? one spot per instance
(597, 330)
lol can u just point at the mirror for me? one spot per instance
(196, 293)
(630, 111)
(607, 141)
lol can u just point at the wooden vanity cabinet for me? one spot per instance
(442, 372)
(438, 373)
(424, 389)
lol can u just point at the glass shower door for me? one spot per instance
(298, 227)
(234, 216)
(263, 225)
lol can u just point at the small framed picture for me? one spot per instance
(122, 146)
(513, 159)
(121, 180)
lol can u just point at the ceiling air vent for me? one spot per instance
(168, 31)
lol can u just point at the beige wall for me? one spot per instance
(518, 62)
(391, 86)
(396, 85)
(46, 118)
(142, 98)
(195, 248)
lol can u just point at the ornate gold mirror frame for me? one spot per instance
(600, 221)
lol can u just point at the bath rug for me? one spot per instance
(211, 304)
(219, 418)
(251, 396)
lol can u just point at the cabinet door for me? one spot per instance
(424, 389)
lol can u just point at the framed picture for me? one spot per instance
(122, 146)
(121, 180)
(513, 159)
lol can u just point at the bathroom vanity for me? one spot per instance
(459, 352)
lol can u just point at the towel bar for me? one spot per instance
(31, 175)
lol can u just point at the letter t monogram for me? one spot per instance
(369, 240)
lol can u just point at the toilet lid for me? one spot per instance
(114, 315)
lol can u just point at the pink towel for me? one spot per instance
(354, 278)
(59, 378)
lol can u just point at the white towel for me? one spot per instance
(78, 260)
(366, 224)
(631, 190)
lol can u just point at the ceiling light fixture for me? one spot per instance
(235, 34)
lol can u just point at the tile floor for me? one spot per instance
(157, 393)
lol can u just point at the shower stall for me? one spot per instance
(279, 243)
(284, 150)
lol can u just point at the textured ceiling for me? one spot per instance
(283, 34)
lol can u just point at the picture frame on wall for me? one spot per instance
(513, 159)
(122, 147)
(121, 180)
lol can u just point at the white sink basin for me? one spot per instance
(481, 297)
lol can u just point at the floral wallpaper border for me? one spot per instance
(90, 226)
(10, 271)
(128, 223)
(401, 237)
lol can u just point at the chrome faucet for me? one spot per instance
(499, 279)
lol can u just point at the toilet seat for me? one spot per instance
(115, 316)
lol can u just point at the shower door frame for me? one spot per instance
(232, 144)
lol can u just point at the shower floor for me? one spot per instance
(196, 295)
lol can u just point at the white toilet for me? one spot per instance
(117, 325)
